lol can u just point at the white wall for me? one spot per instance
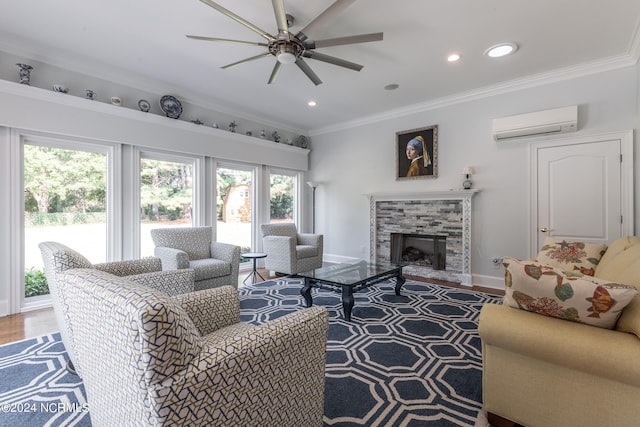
(350, 163)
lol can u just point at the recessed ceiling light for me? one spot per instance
(454, 57)
(501, 49)
(312, 103)
(392, 86)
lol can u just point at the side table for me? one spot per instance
(254, 273)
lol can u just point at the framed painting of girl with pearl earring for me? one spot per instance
(417, 153)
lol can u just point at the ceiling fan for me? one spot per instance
(289, 48)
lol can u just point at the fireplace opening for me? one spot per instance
(419, 249)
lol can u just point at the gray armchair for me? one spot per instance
(288, 251)
(154, 360)
(58, 257)
(215, 263)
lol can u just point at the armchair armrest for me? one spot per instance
(211, 309)
(229, 253)
(130, 267)
(225, 252)
(172, 259)
(281, 253)
(310, 239)
(171, 282)
(278, 367)
(281, 245)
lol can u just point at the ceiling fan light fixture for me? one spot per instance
(286, 58)
(286, 52)
(287, 48)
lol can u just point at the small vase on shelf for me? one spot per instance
(25, 73)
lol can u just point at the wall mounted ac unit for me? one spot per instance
(558, 120)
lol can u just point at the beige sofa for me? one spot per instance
(544, 371)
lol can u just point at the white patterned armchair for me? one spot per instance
(154, 360)
(288, 251)
(58, 257)
(215, 263)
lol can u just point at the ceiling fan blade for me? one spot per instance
(338, 41)
(281, 16)
(274, 73)
(332, 60)
(262, 55)
(215, 39)
(238, 19)
(320, 20)
(308, 71)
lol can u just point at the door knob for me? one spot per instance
(544, 229)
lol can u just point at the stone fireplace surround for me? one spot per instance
(445, 213)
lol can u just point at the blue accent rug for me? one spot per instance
(409, 360)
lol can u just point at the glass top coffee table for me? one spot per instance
(349, 278)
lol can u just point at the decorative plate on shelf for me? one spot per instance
(144, 105)
(303, 142)
(171, 106)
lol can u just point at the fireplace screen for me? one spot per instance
(419, 249)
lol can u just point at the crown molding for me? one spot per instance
(634, 45)
(535, 80)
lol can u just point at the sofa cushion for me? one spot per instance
(550, 291)
(210, 268)
(579, 256)
(306, 251)
(621, 263)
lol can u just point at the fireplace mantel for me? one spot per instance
(413, 209)
(424, 195)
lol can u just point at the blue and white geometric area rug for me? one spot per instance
(408, 360)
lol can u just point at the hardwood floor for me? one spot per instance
(19, 326)
(30, 324)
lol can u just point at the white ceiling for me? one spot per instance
(142, 43)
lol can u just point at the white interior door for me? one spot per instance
(582, 190)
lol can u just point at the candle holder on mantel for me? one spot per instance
(467, 172)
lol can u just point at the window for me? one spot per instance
(65, 200)
(166, 196)
(101, 199)
(282, 196)
(234, 205)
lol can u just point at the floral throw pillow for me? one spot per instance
(571, 256)
(549, 291)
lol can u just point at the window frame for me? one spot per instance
(297, 191)
(197, 197)
(112, 151)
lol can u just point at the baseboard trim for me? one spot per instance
(488, 281)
